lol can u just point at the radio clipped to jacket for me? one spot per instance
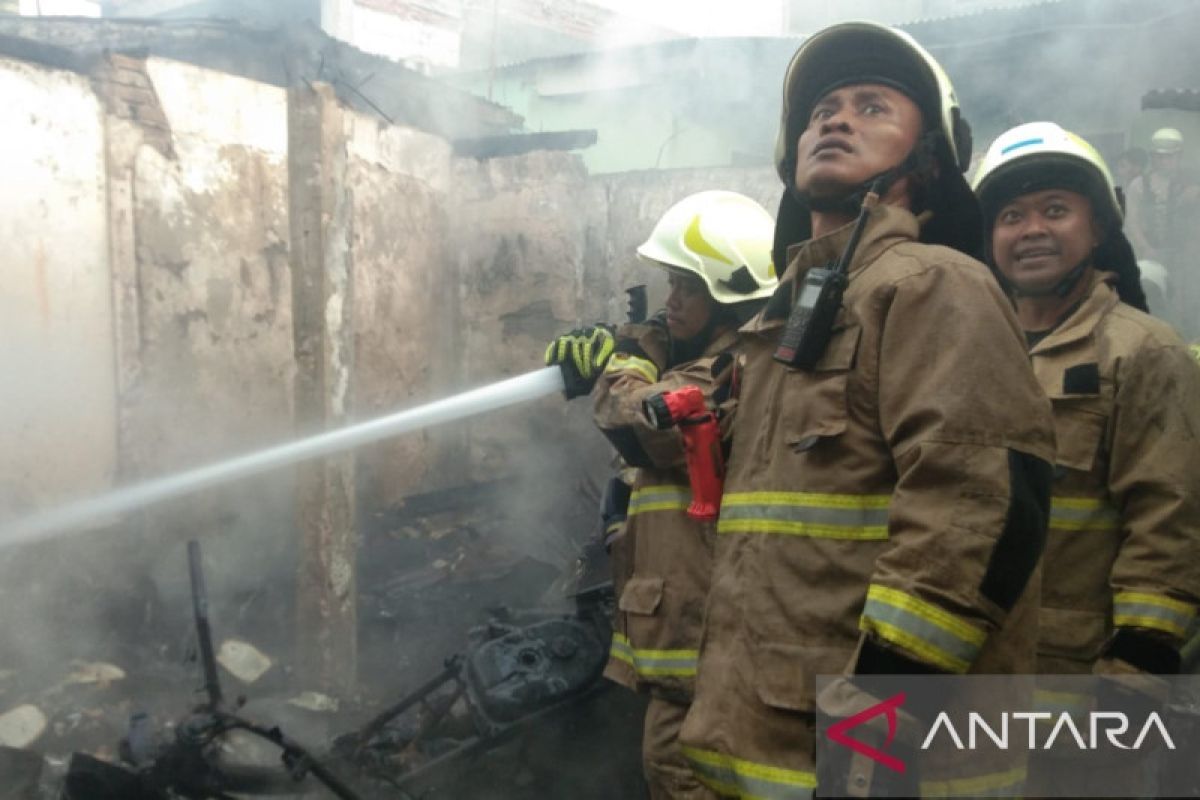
(808, 327)
(810, 324)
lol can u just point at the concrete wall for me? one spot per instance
(404, 313)
(57, 382)
(214, 326)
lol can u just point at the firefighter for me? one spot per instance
(716, 248)
(884, 508)
(1121, 576)
(1164, 208)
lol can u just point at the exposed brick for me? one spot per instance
(127, 92)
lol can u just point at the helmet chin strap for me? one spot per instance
(1065, 285)
(849, 201)
(682, 351)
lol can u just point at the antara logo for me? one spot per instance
(1113, 724)
(837, 732)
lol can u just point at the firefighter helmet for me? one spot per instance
(1043, 155)
(867, 52)
(724, 238)
(1166, 141)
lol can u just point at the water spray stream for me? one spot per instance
(58, 521)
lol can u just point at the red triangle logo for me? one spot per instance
(837, 732)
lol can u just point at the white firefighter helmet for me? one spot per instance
(724, 238)
(1166, 141)
(867, 52)
(1153, 274)
(1043, 155)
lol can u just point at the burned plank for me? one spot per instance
(519, 143)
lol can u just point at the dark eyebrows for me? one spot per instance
(869, 94)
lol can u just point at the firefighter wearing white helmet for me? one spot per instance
(716, 247)
(867, 429)
(1121, 583)
(722, 237)
(1166, 141)
(1164, 204)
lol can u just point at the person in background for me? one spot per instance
(1121, 576)
(716, 249)
(1163, 223)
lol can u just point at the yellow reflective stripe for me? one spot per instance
(998, 784)
(1076, 514)
(823, 516)
(852, 501)
(650, 663)
(668, 497)
(737, 777)
(622, 362)
(1061, 702)
(930, 632)
(1154, 611)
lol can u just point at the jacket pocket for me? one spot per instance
(816, 399)
(641, 596)
(785, 675)
(1072, 634)
(1079, 432)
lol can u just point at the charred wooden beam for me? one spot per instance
(518, 143)
(1177, 99)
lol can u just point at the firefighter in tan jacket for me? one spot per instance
(885, 506)
(1121, 579)
(716, 246)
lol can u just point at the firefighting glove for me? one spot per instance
(870, 745)
(581, 356)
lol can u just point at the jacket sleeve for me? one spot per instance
(1154, 480)
(630, 378)
(971, 437)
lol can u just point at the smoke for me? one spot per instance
(464, 270)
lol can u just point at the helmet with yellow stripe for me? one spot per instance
(722, 237)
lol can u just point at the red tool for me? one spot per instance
(686, 409)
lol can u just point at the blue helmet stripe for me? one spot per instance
(1019, 145)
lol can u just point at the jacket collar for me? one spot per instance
(887, 226)
(1100, 298)
(721, 343)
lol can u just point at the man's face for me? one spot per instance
(688, 305)
(1164, 162)
(1040, 237)
(853, 134)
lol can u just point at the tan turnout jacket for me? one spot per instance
(1124, 542)
(868, 497)
(665, 556)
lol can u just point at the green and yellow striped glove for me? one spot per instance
(581, 355)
